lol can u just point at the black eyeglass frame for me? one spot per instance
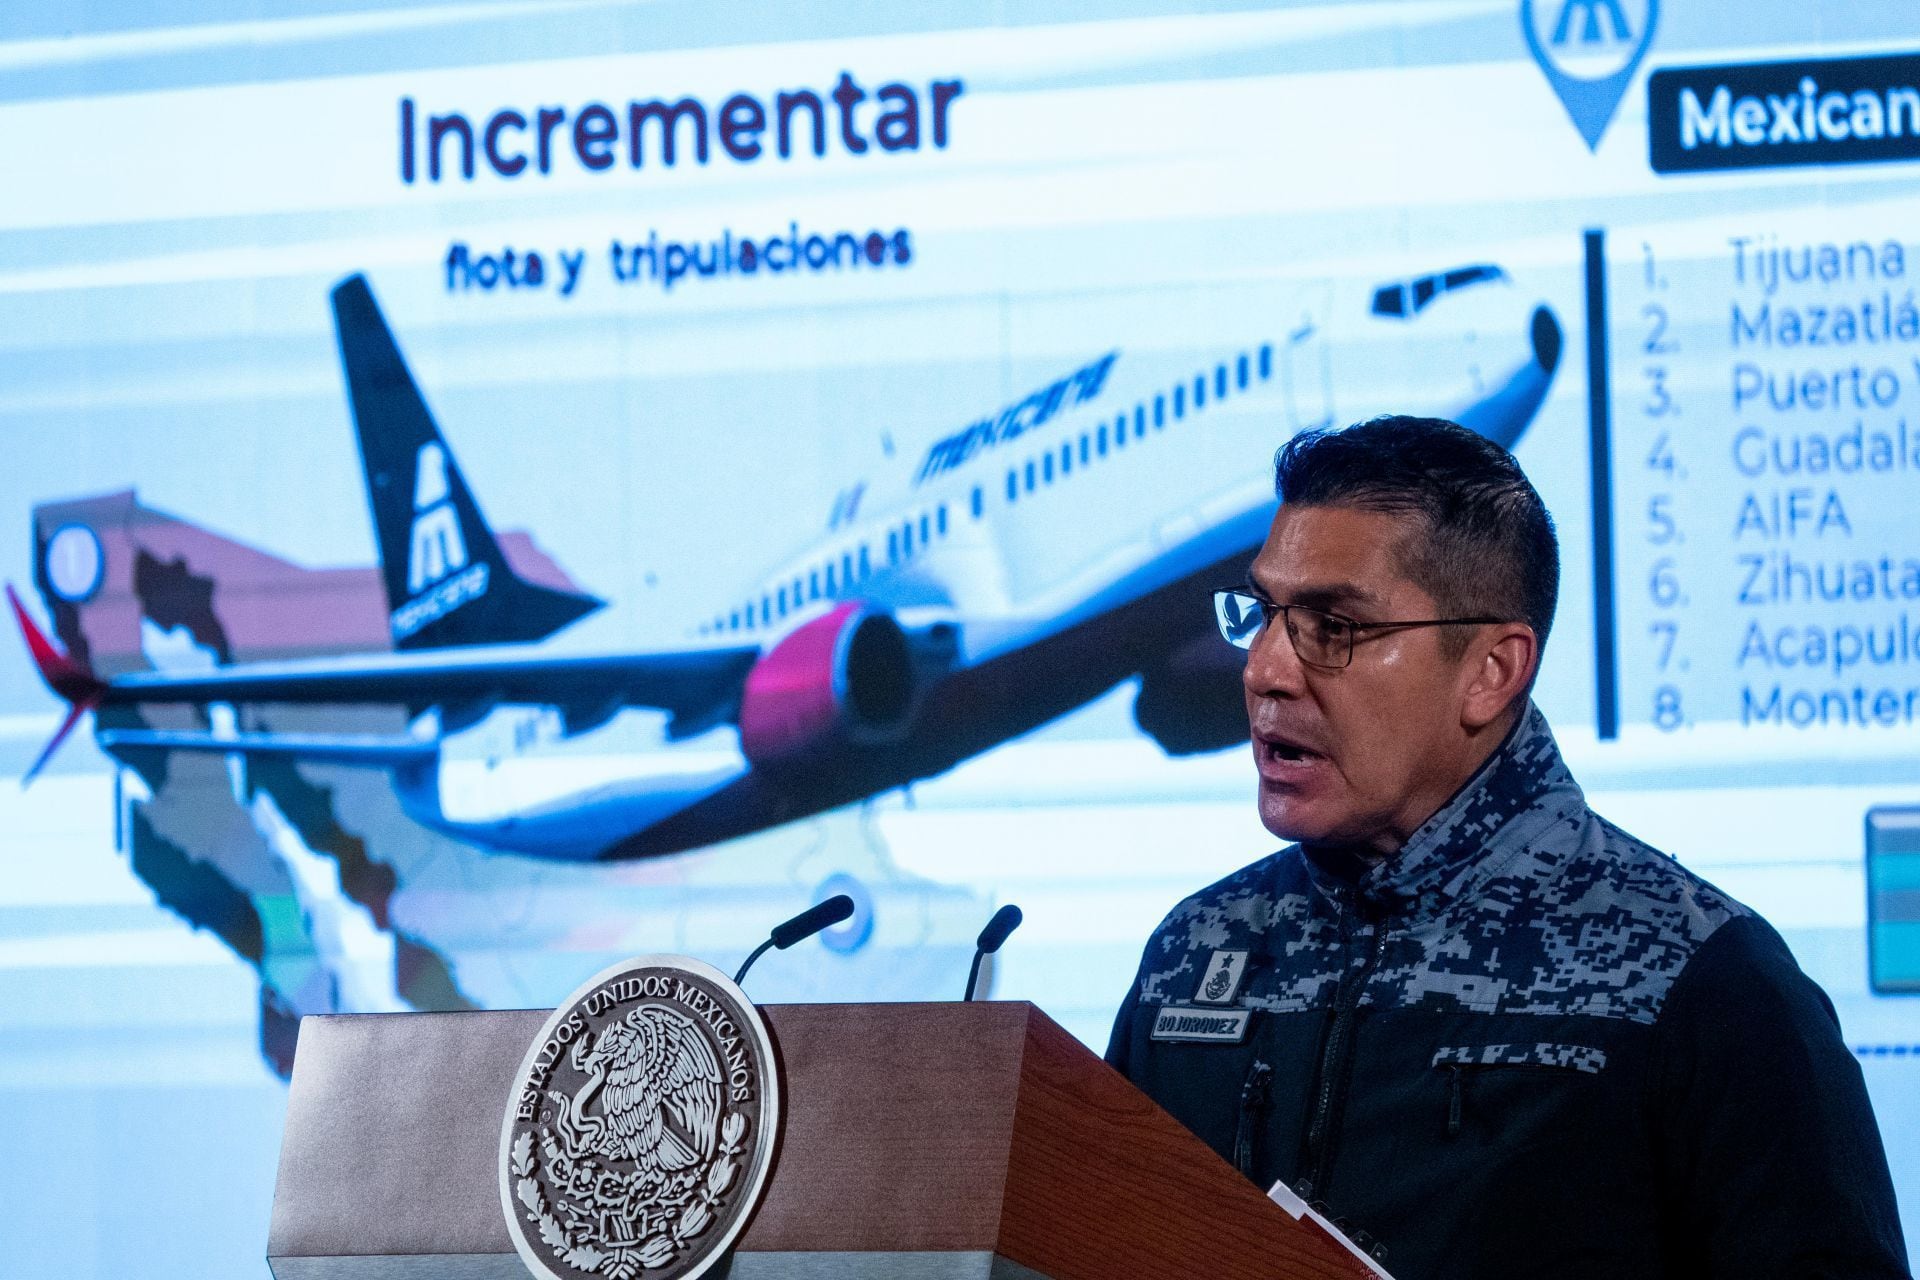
(1269, 608)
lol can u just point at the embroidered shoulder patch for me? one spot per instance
(1220, 983)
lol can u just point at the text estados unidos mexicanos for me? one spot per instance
(627, 990)
(513, 142)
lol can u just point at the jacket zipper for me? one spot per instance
(1333, 1064)
(1253, 1105)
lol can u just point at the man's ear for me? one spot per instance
(1500, 665)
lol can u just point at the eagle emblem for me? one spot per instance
(661, 1087)
(1222, 980)
(636, 1112)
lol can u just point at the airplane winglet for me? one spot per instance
(72, 681)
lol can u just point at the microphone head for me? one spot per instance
(820, 916)
(1004, 922)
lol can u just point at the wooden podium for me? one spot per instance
(920, 1140)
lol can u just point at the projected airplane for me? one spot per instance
(902, 644)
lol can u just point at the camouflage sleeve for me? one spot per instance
(1770, 1156)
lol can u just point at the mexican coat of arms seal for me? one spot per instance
(641, 1126)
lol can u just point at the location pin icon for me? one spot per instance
(1589, 50)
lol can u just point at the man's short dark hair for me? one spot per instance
(1488, 546)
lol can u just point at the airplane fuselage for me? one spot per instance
(1056, 583)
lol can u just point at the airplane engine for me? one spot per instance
(846, 679)
(1193, 701)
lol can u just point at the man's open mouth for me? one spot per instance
(1285, 751)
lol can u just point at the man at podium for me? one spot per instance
(1492, 1033)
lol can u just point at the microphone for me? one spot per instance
(822, 915)
(1004, 922)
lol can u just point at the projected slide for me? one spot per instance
(497, 489)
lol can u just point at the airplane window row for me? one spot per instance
(831, 578)
(1040, 471)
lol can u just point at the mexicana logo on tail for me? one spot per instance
(437, 547)
(439, 579)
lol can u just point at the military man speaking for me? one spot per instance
(1491, 1033)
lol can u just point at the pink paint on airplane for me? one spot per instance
(842, 679)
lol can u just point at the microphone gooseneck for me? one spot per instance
(755, 954)
(1004, 922)
(822, 915)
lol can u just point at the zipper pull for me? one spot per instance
(1253, 1103)
(1454, 1075)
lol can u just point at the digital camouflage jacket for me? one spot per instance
(1527, 1045)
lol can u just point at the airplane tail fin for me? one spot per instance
(446, 579)
(71, 680)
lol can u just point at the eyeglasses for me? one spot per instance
(1320, 639)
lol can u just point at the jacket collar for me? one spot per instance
(1470, 838)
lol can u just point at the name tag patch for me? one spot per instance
(1213, 1026)
(1220, 983)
